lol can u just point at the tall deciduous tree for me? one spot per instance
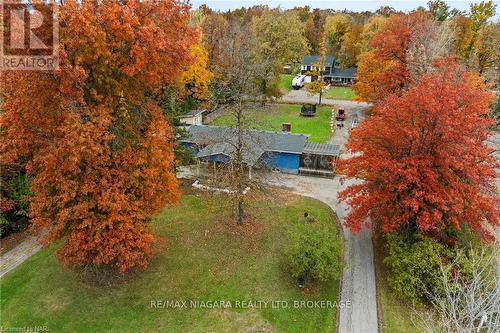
(277, 40)
(314, 30)
(335, 28)
(384, 70)
(350, 49)
(372, 26)
(97, 145)
(196, 78)
(423, 159)
(486, 57)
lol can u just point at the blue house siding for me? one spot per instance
(286, 162)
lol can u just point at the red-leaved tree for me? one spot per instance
(423, 161)
(96, 145)
(384, 69)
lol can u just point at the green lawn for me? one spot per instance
(286, 81)
(204, 260)
(340, 93)
(318, 127)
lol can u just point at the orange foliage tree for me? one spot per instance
(423, 161)
(96, 145)
(383, 70)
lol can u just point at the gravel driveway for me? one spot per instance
(303, 97)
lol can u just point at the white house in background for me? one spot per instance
(193, 117)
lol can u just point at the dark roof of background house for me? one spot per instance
(256, 140)
(321, 149)
(311, 60)
(344, 72)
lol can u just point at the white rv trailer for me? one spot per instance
(299, 80)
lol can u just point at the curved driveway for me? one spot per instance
(358, 279)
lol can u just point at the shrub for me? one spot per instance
(415, 263)
(14, 203)
(314, 254)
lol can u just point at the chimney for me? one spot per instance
(286, 127)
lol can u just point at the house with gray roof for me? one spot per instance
(331, 70)
(282, 151)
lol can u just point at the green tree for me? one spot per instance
(439, 9)
(277, 39)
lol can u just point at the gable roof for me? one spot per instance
(311, 60)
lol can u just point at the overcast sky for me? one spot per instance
(354, 5)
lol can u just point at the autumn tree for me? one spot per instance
(314, 30)
(350, 49)
(462, 35)
(423, 161)
(384, 70)
(97, 147)
(335, 28)
(480, 13)
(485, 56)
(277, 40)
(370, 28)
(215, 38)
(197, 76)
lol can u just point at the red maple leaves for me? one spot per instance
(94, 141)
(423, 159)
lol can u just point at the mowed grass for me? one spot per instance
(204, 260)
(286, 81)
(272, 118)
(340, 93)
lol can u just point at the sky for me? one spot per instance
(354, 5)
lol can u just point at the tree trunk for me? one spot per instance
(320, 95)
(241, 212)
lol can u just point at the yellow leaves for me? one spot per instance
(196, 78)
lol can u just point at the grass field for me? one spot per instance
(340, 93)
(318, 127)
(286, 81)
(205, 260)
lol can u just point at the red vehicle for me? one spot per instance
(340, 115)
